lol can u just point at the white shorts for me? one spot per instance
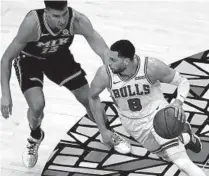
(143, 131)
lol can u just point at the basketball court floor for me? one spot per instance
(173, 31)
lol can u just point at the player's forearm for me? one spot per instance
(6, 66)
(183, 90)
(183, 86)
(99, 46)
(98, 112)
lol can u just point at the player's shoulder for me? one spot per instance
(78, 15)
(31, 14)
(29, 29)
(81, 24)
(152, 60)
(31, 18)
(153, 67)
(80, 18)
(154, 63)
(156, 69)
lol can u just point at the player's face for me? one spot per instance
(117, 64)
(57, 19)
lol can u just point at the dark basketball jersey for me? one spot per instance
(50, 43)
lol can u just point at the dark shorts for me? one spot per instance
(60, 68)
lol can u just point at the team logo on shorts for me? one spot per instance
(65, 32)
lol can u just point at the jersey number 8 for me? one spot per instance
(134, 104)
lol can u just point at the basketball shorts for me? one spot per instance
(60, 68)
(142, 130)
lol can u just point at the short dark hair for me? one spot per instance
(124, 48)
(57, 5)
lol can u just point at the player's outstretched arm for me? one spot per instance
(159, 71)
(83, 26)
(25, 34)
(99, 83)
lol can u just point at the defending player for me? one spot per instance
(40, 47)
(134, 84)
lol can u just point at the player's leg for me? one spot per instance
(190, 140)
(80, 88)
(184, 163)
(35, 100)
(64, 71)
(81, 93)
(144, 133)
(30, 78)
(172, 150)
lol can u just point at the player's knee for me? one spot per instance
(86, 104)
(37, 105)
(83, 99)
(183, 164)
(81, 95)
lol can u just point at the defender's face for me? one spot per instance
(57, 19)
(117, 64)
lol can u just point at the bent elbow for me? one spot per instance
(5, 63)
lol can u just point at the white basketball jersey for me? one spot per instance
(136, 97)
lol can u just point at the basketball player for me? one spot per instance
(41, 46)
(134, 84)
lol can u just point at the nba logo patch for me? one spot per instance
(65, 32)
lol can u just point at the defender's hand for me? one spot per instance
(6, 106)
(179, 112)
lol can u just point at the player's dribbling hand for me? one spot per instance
(179, 112)
(6, 106)
(107, 138)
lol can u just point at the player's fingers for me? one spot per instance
(1, 109)
(10, 109)
(7, 112)
(4, 110)
(180, 114)
(176, 111)
(184, 116)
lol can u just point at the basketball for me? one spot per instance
(166, 124)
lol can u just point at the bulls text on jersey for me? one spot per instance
(131, 90)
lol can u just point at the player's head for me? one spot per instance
(121, 54)
(57, 14)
